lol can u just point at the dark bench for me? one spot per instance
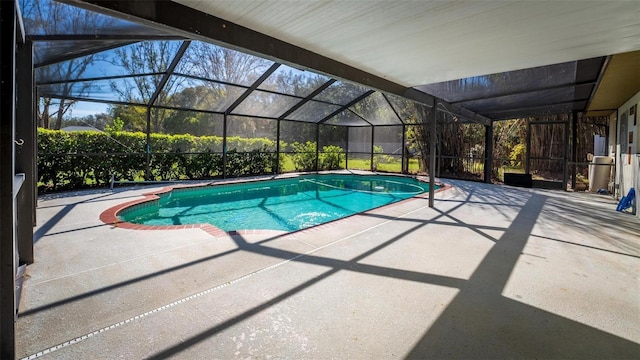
(522, 180)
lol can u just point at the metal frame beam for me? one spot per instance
(253, 86)
(506, 94)
(102, 37)
(345, 107)
(365, 120)
(100, 78)
(543, 107)
(462, 112)
(169, 72)
(79, 54)
(306, 99)
(393, 109)
(113, 102)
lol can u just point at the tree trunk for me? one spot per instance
(60, 113)
(44, 116)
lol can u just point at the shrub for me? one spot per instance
(331, 157)
(304, 157)
(72, 160)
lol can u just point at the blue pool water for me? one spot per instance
(284, 204)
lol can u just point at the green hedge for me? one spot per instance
(304, 156)
(70, 160)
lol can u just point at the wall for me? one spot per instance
(628, 148)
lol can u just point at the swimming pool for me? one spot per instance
(287, 204)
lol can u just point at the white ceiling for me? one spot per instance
(421, 42)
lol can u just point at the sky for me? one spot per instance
(84, 108)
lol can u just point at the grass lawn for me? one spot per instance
(359, 164)
(396, 166)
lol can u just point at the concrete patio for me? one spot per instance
(492, 272)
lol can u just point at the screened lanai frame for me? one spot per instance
(64, 43)
(480, 99)
(329, 102)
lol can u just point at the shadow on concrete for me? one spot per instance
(334, 264)
(478, 323)
(481, 323)
(479, 320)
(258, 247)
(586, 246)
(616, 229)
(66, 209)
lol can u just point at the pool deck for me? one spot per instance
(492, 272)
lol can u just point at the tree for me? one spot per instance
(228, 68)
(218, 63)
(507, 135)
(51, 18)
(134, 118)
(98, 121)
(193, 122)
(149, 60)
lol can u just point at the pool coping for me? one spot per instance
(110, 216)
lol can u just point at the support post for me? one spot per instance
(488, 153)
(574, 148)
(405, 159)
(373, 168)
(346, 152)
(432, 154)
(438, 149)
(317, 146)
(224, 146)
(565, 157)
(278, 147)
(25, 153)
(34, 113)
(527, 161)
(147, 171)
(8, 263)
